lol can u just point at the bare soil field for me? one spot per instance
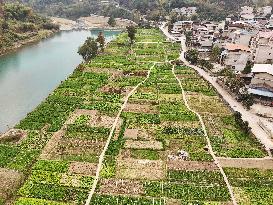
(262, 163)
(140, 108)
(140, 169)
(121, 186)
(154, 145)
(191, 165)
(83, 168)
(10, 180)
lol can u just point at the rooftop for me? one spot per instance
(266, 34)
(234, 47)
(263, 68)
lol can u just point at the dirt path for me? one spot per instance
(208, 140)
(96, 179)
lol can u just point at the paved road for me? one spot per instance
(252, 119)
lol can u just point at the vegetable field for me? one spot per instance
(158, 153)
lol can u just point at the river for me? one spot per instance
(30, 74)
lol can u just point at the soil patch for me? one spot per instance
(83, 168)
(140, 169)
(140, 108)
(154, 145)
(121, 186)
(50, 149)
(78, 147)
(13, 136)
(191, 165)
(10, 180)
(246, 163)
(131, 134)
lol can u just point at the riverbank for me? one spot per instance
(28, 75)
(91, 22)
(43, 34)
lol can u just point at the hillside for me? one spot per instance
(19, 25)
(74, 9)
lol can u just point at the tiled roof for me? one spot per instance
(234, 47)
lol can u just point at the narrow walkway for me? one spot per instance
(208, 140)
(96, 179)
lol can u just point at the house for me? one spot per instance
(235, 56)
(180, 26)
(246, 10)
(242, 37)
(233, 26)
(247, 17)
(262, 82)
(246, 14)
(264, 11)
(263, 47)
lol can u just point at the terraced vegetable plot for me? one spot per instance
(158, 153)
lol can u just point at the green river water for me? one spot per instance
(30, 74)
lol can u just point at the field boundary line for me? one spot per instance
(216, 161)
(92, 191)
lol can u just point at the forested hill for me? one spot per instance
(130, 9)
(20, 25)
(74, 9)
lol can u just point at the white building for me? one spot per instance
(264, 11)
(246, 10)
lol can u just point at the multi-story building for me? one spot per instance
(262, 82)
(180, 26)
(263, 47)
(264, 11)
(235, 56)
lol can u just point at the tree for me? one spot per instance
(131, 33)
(248, 67)
(192, 56)
(215, 53)
(245, 97)
(101, 41)
(89, 49)
(112, 21)
(188, 35)
(205, 64)
(240, 123)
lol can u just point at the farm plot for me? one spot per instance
(68, 130)
(227, 137)
(158, 153)
(160, 171)
(251, 186)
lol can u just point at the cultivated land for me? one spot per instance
(135, 98)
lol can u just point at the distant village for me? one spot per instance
(242, 44)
